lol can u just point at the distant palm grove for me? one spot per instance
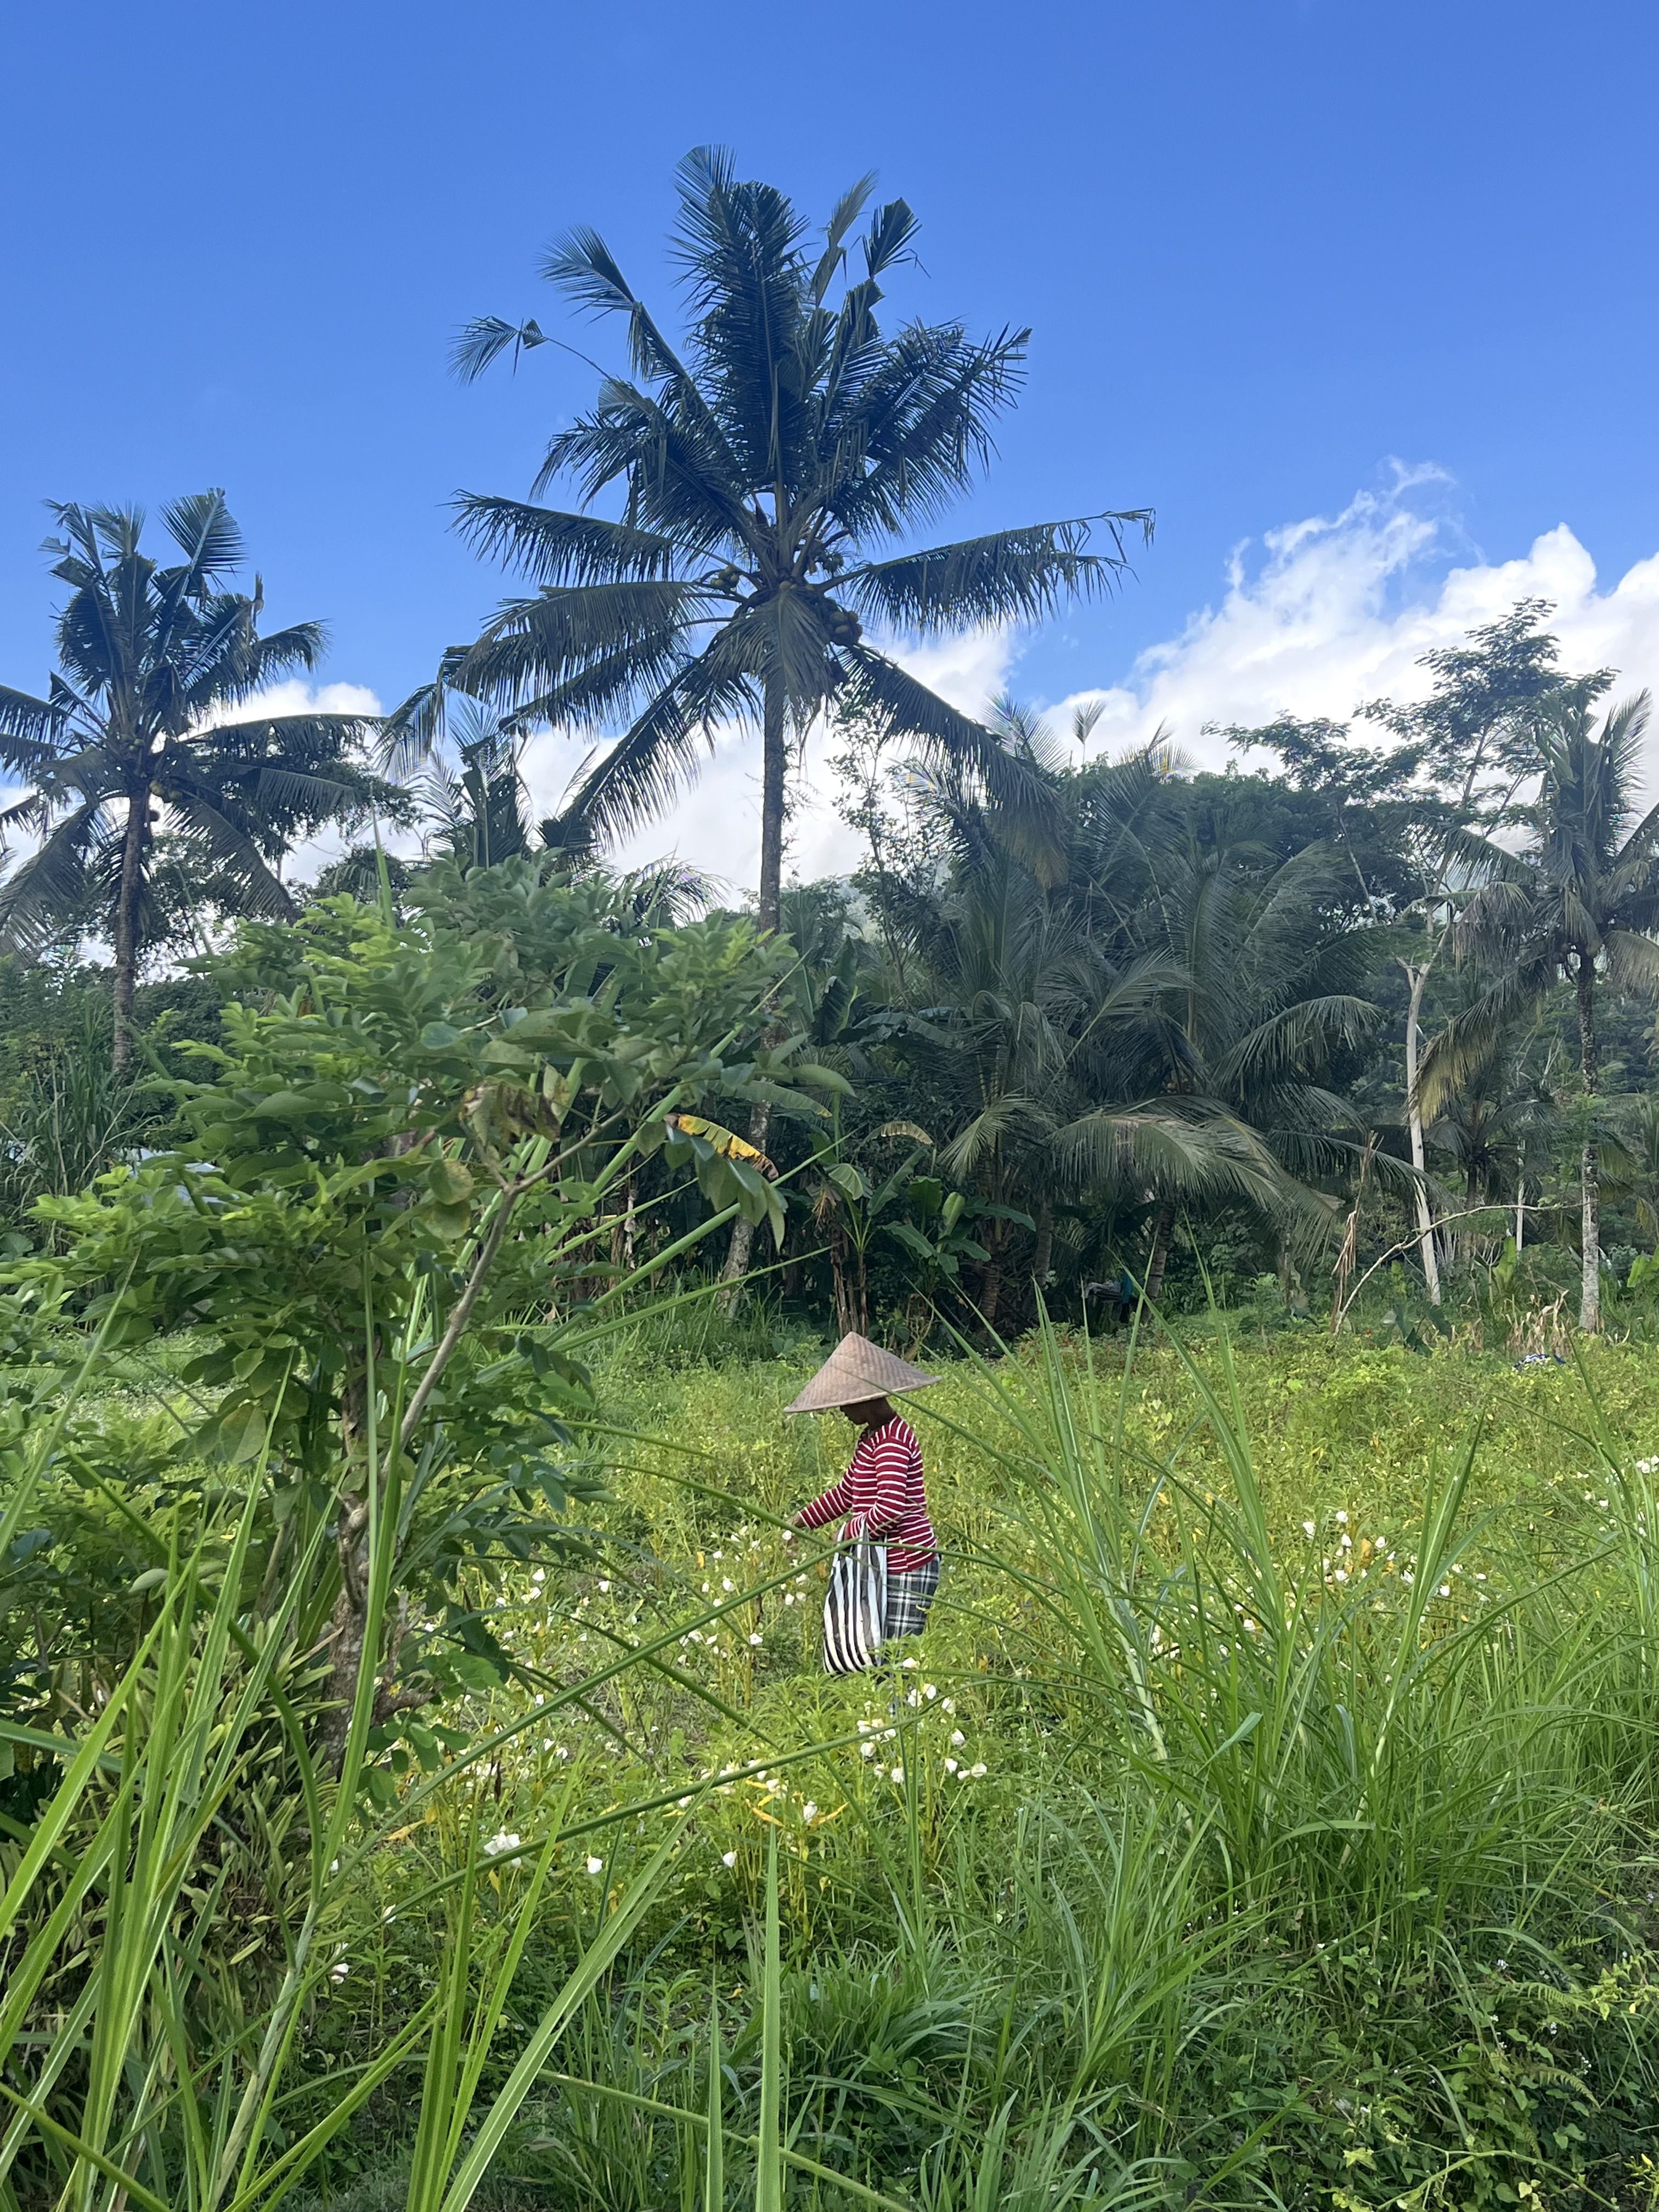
(1365, 1019)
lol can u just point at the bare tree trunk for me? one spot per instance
(841, 1287)
(774, 760)
(1419, 978)
(127, 925)
(1520, 1211)
(1043, 1257)
(1589, 1060)
(1158, 1257)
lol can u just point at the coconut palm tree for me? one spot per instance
(1266, 998)
(137, 740)
(764, 465)
(1580, 904)
(1040, 1013)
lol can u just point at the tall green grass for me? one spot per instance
(1288, 1881)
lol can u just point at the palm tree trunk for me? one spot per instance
(1158, 1257)
(127, 925)
(774, 760)
(1590, 1061)
(1419, 977)
(990, 1276)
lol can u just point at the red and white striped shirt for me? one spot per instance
(883, 1488)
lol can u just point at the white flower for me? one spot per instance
(1445, 1590)
(911, 1699)
(788, 1535)
(596, 1866)
(1342, 1576)
(338, 1971)
(949, 1704)
(728, 1859)
(500, 1842)
(929, 1690)
(755, 1641)
(949, 1766)
(1341, 1515)
(727, 1583)
(539, 1576)
(898, 1774)
(789, 1597)
(1306, 1527)
(977, 1769)
(867, 1751)
(809, 1812)
(957, 1738)
(1406, 1575)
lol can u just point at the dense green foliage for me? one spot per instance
(417, 1784)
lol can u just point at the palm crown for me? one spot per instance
(761, 468)
(130, 738)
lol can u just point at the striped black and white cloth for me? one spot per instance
(909, 1597)
(855, 1607)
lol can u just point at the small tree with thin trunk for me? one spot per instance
(135, 738)
(1579, 905)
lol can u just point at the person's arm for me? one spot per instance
(833, 1504)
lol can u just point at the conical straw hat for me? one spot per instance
(857, 1369)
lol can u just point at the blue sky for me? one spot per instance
(1268, 252)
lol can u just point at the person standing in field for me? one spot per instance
(883, 1494)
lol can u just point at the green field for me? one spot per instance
(1267, 1816)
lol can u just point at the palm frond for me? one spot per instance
(553, 548)
(639, 774)
(1011, 576)
(51, 881)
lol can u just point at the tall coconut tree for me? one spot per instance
(1578, 904)
(136, 741)
(762, 467)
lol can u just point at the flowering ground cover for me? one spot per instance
(1265, 1818)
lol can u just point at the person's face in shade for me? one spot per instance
(869, 1413)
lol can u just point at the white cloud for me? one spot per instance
(1340, 609)
(294, 696)
(1319, 617)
